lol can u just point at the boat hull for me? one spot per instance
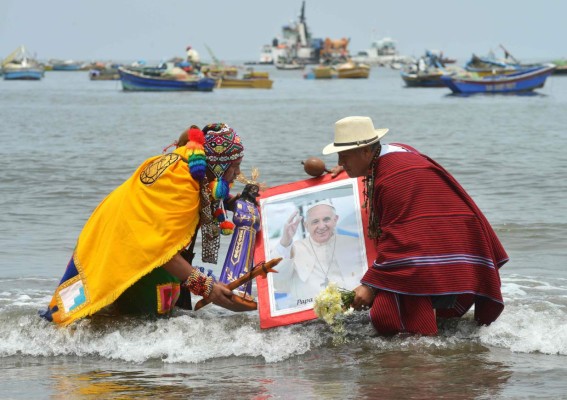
(560, 70)
(132, 81)
(66, 67)
(245, 83)
(322, 72)
(30, 74)
(96, 75)
(353, 73)
(289, 67)
(425, 80)
(524, 81)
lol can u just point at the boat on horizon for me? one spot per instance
(492, 65)
(322, 72)
(561, 65)
(383, 53)
(427, 71)
(295, 43)
(250, 80)
(66, 65)
(353, 70)
(289, 65)
(110, 74)
(21, 65)
(525, 80)
(138, 81)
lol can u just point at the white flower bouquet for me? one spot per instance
(331, 305)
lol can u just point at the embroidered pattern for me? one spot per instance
(73, 296)
(167, 296)
(152, 172)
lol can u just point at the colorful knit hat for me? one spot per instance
(222, 147)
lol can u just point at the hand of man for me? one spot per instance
(335, 171)
(289, 229)
(363, 297)
(221, 296)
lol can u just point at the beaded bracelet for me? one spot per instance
(199, 283)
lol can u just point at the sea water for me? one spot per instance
(66, 142)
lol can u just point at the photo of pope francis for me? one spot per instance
(322, 256)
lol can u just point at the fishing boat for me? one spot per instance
(322, 72)
(107, 74)
(295, 43)
(20, 65)
(561, 67)
(382, 52)
(218, 69)
(250, 80)
(236, 83)
(484, 66)
(492, 65)
(138, 81)
(213, 70)
(522, 81)
(427, 71)
(353, 70)
(429, 78)
(66, 65)
(287, 65)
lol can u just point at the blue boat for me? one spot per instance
(21, 65)
(68, 65)
(522, 81)
(137, 81)
(23, 73)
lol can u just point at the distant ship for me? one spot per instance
(295, 45)
(384, 53)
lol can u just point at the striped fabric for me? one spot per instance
(435, 241)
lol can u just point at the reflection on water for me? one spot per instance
(466, 372)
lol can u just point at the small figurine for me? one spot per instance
(240, 255)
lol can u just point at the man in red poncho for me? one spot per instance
(437, 255)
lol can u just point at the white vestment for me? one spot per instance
(308, 267)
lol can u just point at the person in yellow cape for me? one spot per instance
(132, 253)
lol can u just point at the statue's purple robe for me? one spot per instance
(239, 259)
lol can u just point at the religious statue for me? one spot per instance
(238, 270)
(240, 256)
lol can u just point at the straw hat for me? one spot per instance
(353, 132)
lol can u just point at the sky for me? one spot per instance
(235, 30)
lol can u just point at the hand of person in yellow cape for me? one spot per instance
(221, 296)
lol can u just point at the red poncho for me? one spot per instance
(434, 241)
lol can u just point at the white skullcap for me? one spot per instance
(326, 202)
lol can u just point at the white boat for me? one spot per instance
(288, 65)
(383, 53)
(295, 43)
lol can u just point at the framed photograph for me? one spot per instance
(318, 227)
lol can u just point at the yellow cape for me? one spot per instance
(140, 226)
